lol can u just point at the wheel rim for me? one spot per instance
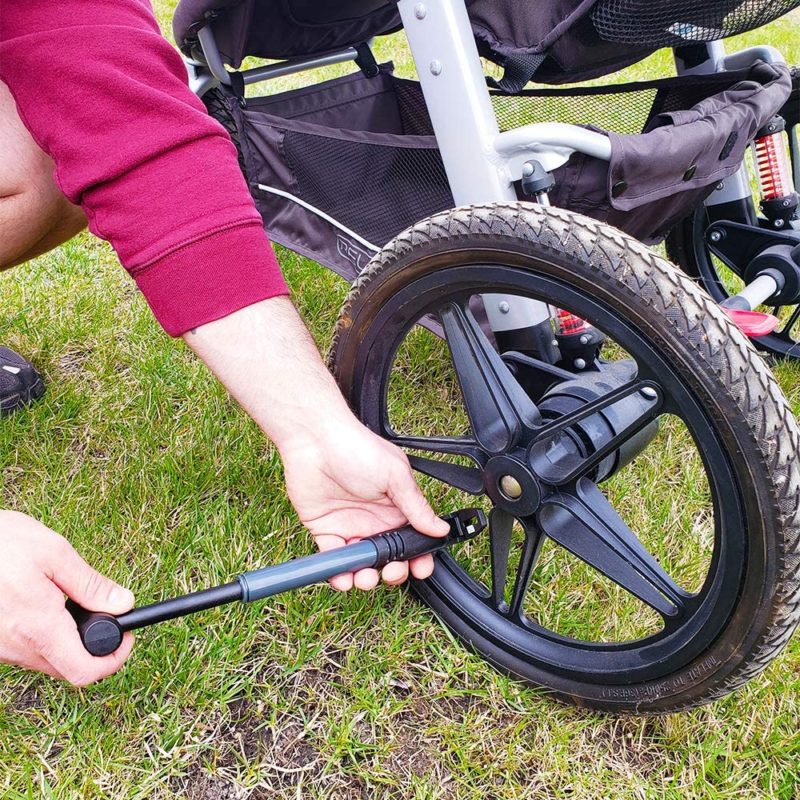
(691, 621)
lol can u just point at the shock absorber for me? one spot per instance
(779, 200)
(578, 342)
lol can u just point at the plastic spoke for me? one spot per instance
(500, 526)
(468, 479)
(498, 408)
(530, 553)
(786, 331)
(586, 524)
(445, 445)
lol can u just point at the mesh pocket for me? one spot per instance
(340, 168)
(675, 22)
(623, 108)
(377, 190)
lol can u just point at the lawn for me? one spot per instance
(159, 480)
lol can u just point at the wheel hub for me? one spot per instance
(549, 458)
(511, 484)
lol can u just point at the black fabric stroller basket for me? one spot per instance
(672, 141)
(339, 168)
(559, 41)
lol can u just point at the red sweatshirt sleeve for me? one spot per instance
(106, 97)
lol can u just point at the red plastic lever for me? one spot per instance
(752, 323)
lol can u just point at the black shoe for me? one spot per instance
(20, 383)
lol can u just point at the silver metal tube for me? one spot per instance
(200, 78)
(550, 143)
(216, 65)
(715, 52)
(746, 58)
(755, 293)
(270, 71)
(451, 75)
(734, 187)
(212, 55)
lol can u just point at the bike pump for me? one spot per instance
(102, 633)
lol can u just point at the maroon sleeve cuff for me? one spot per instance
(210, 278)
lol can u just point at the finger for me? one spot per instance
(325, 541)
(65, 653)
(366, 579)
(47, 669)
(408, 497)
(86, 586)
(395, 573)
(421, 567)
(37, 664)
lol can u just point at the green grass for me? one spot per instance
(159, 480)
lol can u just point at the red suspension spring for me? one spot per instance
(772, 165)
(568, 323)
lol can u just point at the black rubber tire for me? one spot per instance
(217, 104)
(737, 391)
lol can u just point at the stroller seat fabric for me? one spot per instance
(338, 169)
(280, 29)
(558, 41)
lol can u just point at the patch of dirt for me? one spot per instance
(287, 749)
(71, 362)
(284, 747)
(630, 742)
(337, 787)
(199, 785)
(28, 700)
(284, 756)
(410, 755)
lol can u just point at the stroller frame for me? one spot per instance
(544, 429)
(481, 162)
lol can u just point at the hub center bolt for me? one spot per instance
(510, 487)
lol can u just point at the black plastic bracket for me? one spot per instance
(536, 179)
(580, 351)
(749, 251)
(365, 60)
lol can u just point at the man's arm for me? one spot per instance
(159, 179)
(106, 97)
(344, 481)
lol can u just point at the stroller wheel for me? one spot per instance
(217, 104)
(687, 248)
(643, 547)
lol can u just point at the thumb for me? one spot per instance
(87, 587)
(408, 498)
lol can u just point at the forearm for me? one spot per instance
(132, 145)
(266, 358)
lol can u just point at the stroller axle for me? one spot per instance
(769, 263)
